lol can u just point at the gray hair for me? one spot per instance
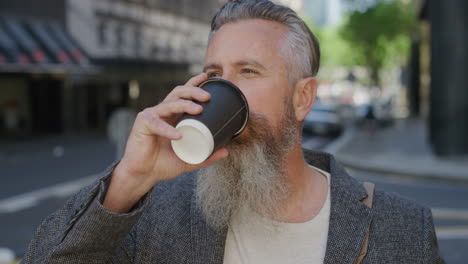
(302, 46)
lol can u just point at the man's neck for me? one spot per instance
(308, 189)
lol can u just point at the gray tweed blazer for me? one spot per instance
(167, 227)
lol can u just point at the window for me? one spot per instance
(102, 33)
(137, 38)
(119, 38)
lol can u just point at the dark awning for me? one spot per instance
(66, 42)
(39, 47)
(24, 40)
(3, 59)
(50, 45)
(10, 50)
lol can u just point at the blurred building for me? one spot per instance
(324, 12)
(438, 74)
(296, 5)
(35, 54)
(66, 65)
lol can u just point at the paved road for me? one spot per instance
(27, 166)
(32, 176)
(449, 202)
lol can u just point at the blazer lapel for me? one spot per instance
(207, 243)
(350, 219)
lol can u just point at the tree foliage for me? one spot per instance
(335, 51)
(380, 34)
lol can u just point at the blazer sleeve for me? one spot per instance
(431, 253)
(83, 231)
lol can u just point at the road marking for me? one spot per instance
(452, 232)
(450, 214)
(30, 199)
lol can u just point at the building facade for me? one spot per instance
(74, 62)
(438, 80)
(162, 31)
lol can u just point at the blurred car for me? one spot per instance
(323, 120)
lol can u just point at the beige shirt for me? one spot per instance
(287, 243)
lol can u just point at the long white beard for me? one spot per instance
(251, 178)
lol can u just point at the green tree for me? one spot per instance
(381, 34)
(335, 51)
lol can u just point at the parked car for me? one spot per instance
(323, 120)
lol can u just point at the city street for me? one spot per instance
(38, 178)
(383, 82)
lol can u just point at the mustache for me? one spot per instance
(256, 128)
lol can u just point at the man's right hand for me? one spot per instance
(149, 157)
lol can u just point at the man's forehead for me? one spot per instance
(246, 42)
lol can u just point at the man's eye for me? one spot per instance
(249, 71)
(212, 74)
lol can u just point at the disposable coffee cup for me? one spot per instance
(224, 117)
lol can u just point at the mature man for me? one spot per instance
(258, 200)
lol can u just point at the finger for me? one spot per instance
(158, 127)
(189, 93)
(180, 106)
(197, 80)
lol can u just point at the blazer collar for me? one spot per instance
(350, 219)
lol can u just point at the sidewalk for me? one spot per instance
(400, 150)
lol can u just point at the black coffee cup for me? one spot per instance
(224, 117)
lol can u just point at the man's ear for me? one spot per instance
(305, 91)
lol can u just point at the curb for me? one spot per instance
(359, 164)
(364, 164)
